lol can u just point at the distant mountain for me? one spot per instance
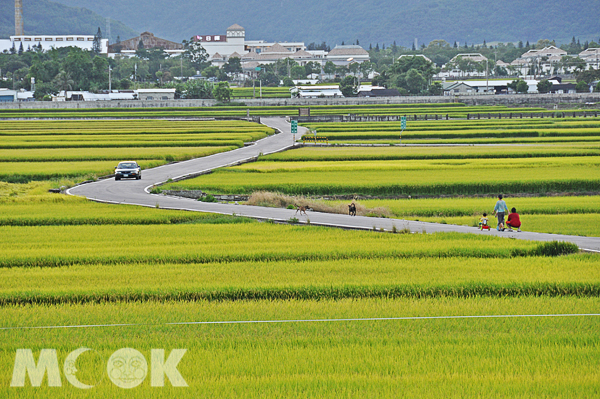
(382, 21)
(46, 17)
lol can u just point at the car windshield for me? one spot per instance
(127, 165)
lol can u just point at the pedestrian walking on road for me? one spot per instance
(500, 210)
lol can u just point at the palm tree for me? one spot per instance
(63, 81)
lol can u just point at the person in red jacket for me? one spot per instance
(513, 222)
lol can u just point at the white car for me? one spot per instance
(128, 169)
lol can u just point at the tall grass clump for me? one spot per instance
(278, 200)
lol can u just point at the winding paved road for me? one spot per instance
(136, 192)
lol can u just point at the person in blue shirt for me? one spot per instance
(500, 210)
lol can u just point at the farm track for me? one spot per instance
(136, 192)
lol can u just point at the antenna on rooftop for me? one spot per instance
(108, 29)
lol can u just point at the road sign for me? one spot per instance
(294, 126)
(402, 126)
(257, 69)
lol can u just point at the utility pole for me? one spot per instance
(487, 78)
(109, 80)
(108, 29)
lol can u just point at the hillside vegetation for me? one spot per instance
(381, 22)
(49, 18)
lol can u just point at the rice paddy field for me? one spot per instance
(79, 150)
(523, 357)
(504, 131)
(284, 310)
(70, 270)
(553, 183)
(410, 177)
(571, 215)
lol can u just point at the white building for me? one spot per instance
(277, 52)
(592, 57)
(345, 55)
(155, 94)
(477, 66)
(548, 51)
(8, 96)
(259, 46)
(117, 95)
(316, 91)
(232, 42)
(539, 61)
(85, 42)
(486, 86)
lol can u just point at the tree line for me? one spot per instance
(71, 68)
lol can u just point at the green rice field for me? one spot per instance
(284, 310)
(80, 150)
(571, 215)
(543, 130)
(411, 177)
(522, 357)
(392, 174)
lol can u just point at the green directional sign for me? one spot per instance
(294, 127)
(402, 126)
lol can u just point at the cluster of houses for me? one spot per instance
(536, 62)
(252, 53)
(467, 87)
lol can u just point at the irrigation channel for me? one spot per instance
(137, 192)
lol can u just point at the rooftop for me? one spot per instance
(235, 27)
(416, 55)
(472, 56)
(276, 48)
(348, 50)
